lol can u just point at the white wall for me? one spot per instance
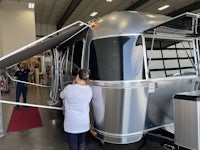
(1, 38)
(44, 29)
(17, 26)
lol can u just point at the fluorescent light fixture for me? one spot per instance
(163, 7)
(108, 0)
(31, 5)
(151, 16)
(101, 20)
(93, 14)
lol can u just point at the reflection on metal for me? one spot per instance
(186, 119)
(62, 65)
(133, 94)
(119, 110)
(56, 75)
(137, 62)
(59, 59)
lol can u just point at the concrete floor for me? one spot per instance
(52, 136)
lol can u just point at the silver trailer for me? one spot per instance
(138, 61)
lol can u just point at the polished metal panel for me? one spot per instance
(127, 101)
(119, 110)
(127, 22)
(160, 104)
(123, 110)
(186, 112)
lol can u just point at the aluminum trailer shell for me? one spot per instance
(127, 103)
(119, 110)
(126, 22)
(124, 110)
(187, 110)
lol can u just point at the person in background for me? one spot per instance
(76, 99)
(22, 75)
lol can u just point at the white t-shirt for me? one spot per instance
(76, 102)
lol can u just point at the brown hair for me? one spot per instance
(84, 74)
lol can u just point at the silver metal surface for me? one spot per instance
(127, 100)
(125, 108)
(127, 22)
(160, 104)
(51, 135)
(124, 111)
(119, 111)
(186, 113)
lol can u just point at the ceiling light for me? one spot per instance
(101, 20)
(31, 5)
(163, 7)
(108, 0)
(151, 16)
(93, 14)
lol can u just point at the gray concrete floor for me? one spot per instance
(51, 136)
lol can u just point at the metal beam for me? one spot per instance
(1, 118)
(29, 104)
(68, 12)
(137, 4)
(188, 8)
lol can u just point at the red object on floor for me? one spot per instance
(24, 118)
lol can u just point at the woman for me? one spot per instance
(76, 98)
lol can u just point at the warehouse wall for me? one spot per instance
(44, 29)
(17, 26)
(1, 38)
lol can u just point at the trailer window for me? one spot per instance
(168, 58)
(77, 57)
(111, 58)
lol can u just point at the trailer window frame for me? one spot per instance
(164, 65)
(74, 58)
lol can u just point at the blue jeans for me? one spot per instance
(76, 141)
(21, 89)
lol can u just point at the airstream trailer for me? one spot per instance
(138, 61)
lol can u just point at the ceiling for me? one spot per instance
(64, 12)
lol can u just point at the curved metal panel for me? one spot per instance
(125, 110)
(119, 110)
(127, 22)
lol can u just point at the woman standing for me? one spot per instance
(76, 98)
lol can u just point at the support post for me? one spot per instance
(1, 119)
